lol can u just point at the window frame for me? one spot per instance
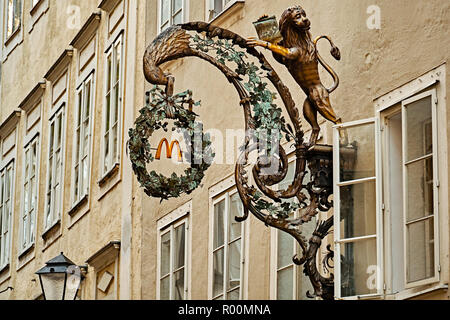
(26, 179)
(171, 14)
(226, 196)
(83, 187)
(168, 224)
(113, 161)
(60, 111)
(6, 232)
(434, 103)
(378, 212)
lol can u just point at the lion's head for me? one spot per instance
(294, 17)
(294, 27)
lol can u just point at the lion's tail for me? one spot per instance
(335, 53)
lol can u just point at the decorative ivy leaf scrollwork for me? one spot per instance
(152, 117)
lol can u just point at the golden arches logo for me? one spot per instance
(169, 149)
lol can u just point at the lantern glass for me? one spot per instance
(53, 285)
(73, 282)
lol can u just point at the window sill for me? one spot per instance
(38, 10)
(4, 268)
(50, 230)
(78, 205)
(26, 251)
(35, 7)
(229, 9)
(12, 36)
(111, 173)
(412, 293)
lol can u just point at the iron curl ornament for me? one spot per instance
(250, 73)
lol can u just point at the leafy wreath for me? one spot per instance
(160, 107)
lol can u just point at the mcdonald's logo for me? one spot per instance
(169, 149)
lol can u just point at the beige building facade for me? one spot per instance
(72, 86)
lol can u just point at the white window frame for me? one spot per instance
(431, 93)
(80, 187)
(111, 161)
(29, 215)
(171, 15)
(6, 231)
(50, 211)
(169, 224)
(226, 196)
(379, 219)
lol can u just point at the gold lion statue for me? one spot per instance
(298, 52)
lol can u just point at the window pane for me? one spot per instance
(179, 238)
(420, 258)
(285, 249)
(285, 284)
(164, 290)
(217, 7)
(52, 134)
(109, 72)
(233, 295)
(114, 142)
(165, 11)
(106, 155)
(178, 285)
(234, 265)
(118, 55)
(165, 254)
(88, 100)
(358, 260)
(17, 13)
(358, 210)
(362, 163)
(59, 132)
(218, 264)
(420, 189)
(178, 18)
(177, 4)
(237, 210)
(219, 215)
(418, 127)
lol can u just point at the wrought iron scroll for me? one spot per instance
(313, 196)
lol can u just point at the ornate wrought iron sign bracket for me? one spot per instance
(292, 46)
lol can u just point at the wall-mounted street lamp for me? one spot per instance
(60, 278)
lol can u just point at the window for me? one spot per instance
(227, 248)
(29, 204)
(13, 16)
(6, 208)
(82, 146)
(171, 13)
(173, 253)
(411, 143)
(290, 282)
(55, 169)
(386, 192)
(217, 6)
(113, 104)
(356, 224)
